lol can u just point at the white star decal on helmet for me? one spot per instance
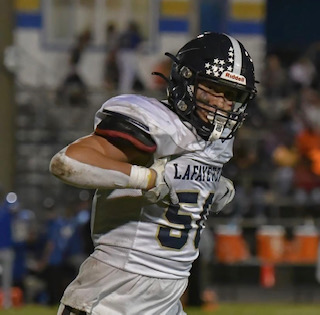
(218, 66)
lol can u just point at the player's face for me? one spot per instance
(212, 97)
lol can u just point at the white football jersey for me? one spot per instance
(160, 240)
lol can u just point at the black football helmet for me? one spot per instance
(220, 61)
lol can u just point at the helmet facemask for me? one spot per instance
(221, 123)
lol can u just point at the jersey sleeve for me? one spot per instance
(116, 125)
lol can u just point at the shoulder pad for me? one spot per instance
(116, 125)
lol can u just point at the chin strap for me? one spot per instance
(218, 129)
(220, 122)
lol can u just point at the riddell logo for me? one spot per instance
(233, 77)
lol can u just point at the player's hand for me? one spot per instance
(162, 188)
(224, 194)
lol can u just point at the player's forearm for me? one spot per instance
(98, 171)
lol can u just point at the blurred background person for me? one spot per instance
(6, 248)
(302, 72)
(307, 141)
(275, 79)
(111, 71)
(53, 265)
(73, 88)
(128, 46)
(80, 244)
(24, 236)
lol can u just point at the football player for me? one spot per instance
(156, 167)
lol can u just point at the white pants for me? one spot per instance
(128, 70)
(102, 289)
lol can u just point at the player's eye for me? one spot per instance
(230, 95)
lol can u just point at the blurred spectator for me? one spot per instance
(199, 291)
(24, 235)
(313, 53)
(296, 155)
(307, 173)
(302, 72)
(73, 89)
(129, 42)
(310, 108)
(54, 260)
(80, 244)
(275, 78)
(111, 72)
(285, 157)
(6, 248)
(206, 258)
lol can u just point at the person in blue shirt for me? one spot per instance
(24, 236)
(62, 241)
(6, 251)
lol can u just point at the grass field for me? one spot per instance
(224, 309)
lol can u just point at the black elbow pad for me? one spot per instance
(116, 125)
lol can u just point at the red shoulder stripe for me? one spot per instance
(118, 134)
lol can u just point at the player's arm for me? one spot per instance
(114, 156)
